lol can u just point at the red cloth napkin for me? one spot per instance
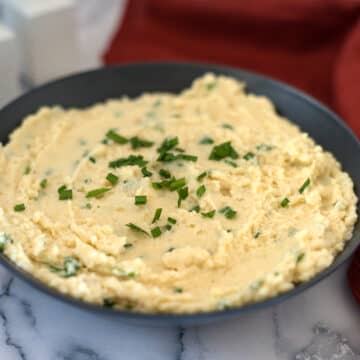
(311, 44)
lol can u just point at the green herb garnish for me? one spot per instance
(206, 140)
(222, 151)
(285, 202)
(257, 234)
(304, 185)
(137, 143)
(228, 212)
(171, 220)
(165, 173)
(300, 257)
(114, 136)
(248, 156)
(210, 86)
(146, 172)
(227, 126)
(108, 303)
(92, 159)
(27, 170)
(155, 232)
(43, 183)
(64, 193)
(128, 245)
(156, 215)
(209, 214)
(231, 163)
(168, 144)
(70, 267)
(200, 191)
(140, 200)
(19, 207)
(137, 228)
(264, 147)
(97, 192)
(178, 290)
(201, 176)
(195, 208)
(4, 239)
(183, 194)
(177, 184)
(112, 178)
(131, 160)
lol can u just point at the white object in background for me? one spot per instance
(9, 66)
(47, 34)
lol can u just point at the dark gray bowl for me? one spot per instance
(87, 88)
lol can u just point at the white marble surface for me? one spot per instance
(321, 324)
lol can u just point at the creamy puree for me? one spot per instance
(250, 205)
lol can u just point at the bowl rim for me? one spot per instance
(198, 316)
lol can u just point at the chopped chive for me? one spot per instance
(222, 151)
(206, 140)
(157, 103)
(285, 202)
(257, 234)
(168, 157)
(131, 160)
(156, 215)
(114, 136)
(168, 144)
(178, 290)
(27, 170)
(187, 157)
(164, 173)
(228, 212)
(70, 267)
(209, 214)
(200, 191)
(210, 86)
(97, 192)
(227, 126)
(146, 172)
(43, 183)
(177, 184)
(248, 156)
(88, 206)
(128, 245)
(183, 194)
(140, 200)
(181, 150)
(195, 208)
(19, 207)
(137, 228)
(155, 232)
(231, 163)
(92, 159)
(304, 185)
(300, 257)
(64, 193)
(201, 176)
(4, 239)
(105, 141)
(157, 185)
(171, 220)
(264, 147)
(108, 303)
(168, 227)
(112, 178)
(137, 143)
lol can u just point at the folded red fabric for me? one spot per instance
(311, 44)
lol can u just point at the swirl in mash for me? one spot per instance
(172, 203)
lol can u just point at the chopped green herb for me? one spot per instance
(137, 143)
(168, 157)
(222, 151)
(155, 232)
(304, 185)
(97, 192)
(228, 212)
(206, 140)
(264, 147)
(112, 178)
(146, 172)
(171, 220)
(195, 208)
(227, 126)
(179, 150)
(92, 159)
(285, 202)
(248, 156)
(105, 141)
(140, 200)
(168, 227)
(168, 144)
(300, 257)
(137, 228)
(64, 193)
(177, 184)
(200, 191)
(19, 207)
(209, 214)
(131, 160)
(165, 173)
(88, 206)
(128, 245)
(156, 215)
(157, 103)
(257, 234)
(187, 157)
(210, 86)
(4, 239)
(201, 176)
(231, 163)
(70, 267)
(183, 194)
(115, 137)
(170, 249)
(27, 170)
(43, 183)
(108, 303)
(178, 290)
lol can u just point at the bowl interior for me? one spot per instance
(95, 86)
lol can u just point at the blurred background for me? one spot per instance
(311, 44)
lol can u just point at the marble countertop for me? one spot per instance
(322, 323)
